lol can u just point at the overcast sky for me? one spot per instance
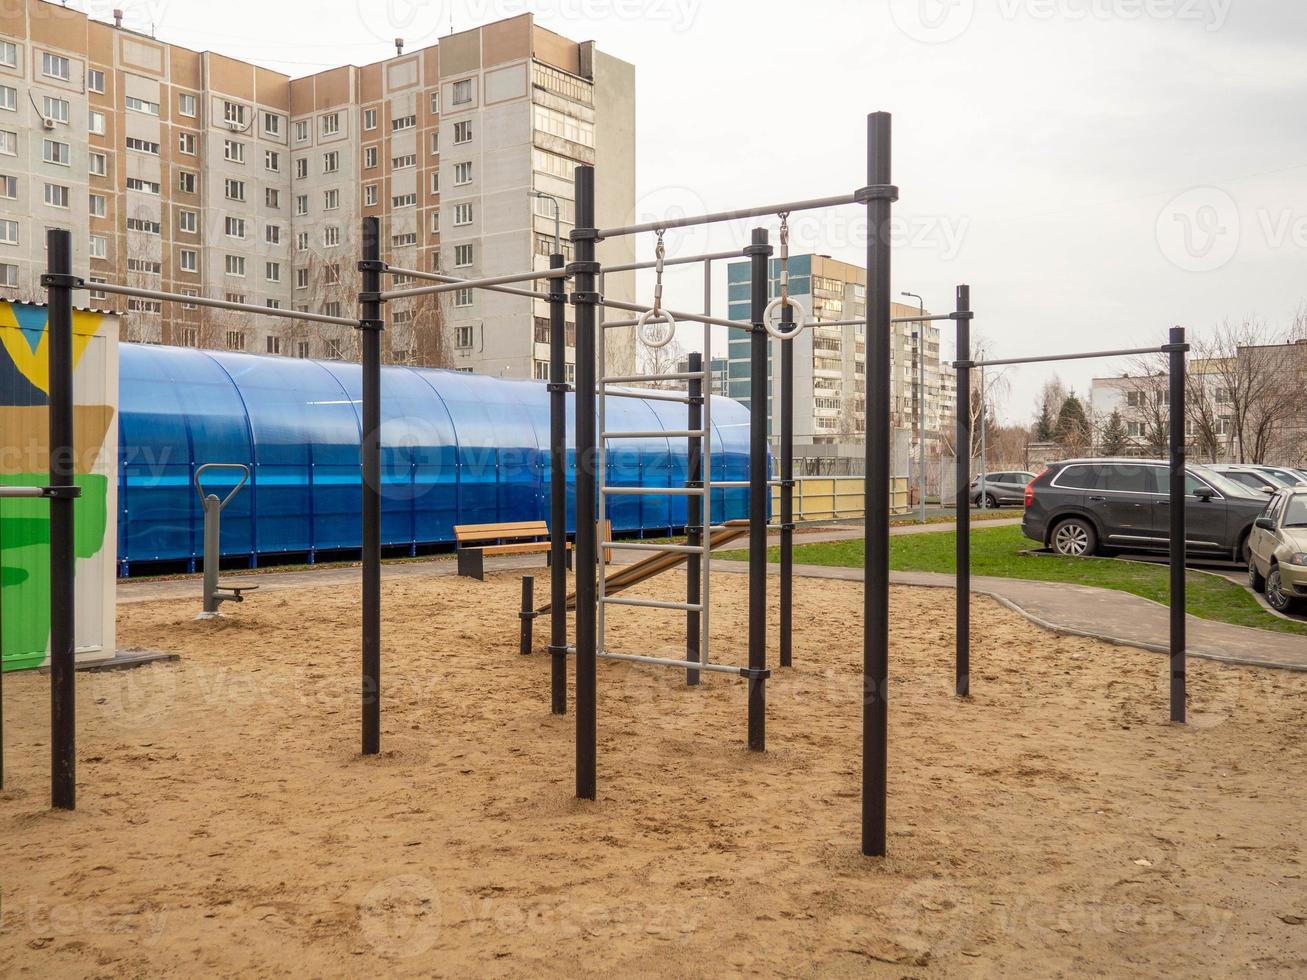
(1097, 170)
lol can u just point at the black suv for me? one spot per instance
(1082, 506)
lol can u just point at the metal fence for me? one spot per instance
(835, 498)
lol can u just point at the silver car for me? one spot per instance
(1277, 550)
(1252, 477)
(1285, 474)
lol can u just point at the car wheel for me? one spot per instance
(1074, 538)
(991, 501)
(1246, 548)
(1256, 581)
(1276, 597)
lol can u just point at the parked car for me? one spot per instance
(1285, 474)
(1277, 559)
(1083, 506)
(1252, 477)
(997, 489)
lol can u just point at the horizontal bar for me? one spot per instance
(923, 319)
(22, 492)
(678, 549)
(678, 315)
(670, 376)
(1126, 352)
(649, 394)
(220, 304)
(810, 204)
(770, 483)
(654, 491)
(637, 658)
(487, 281)
(655, 434)
(441, 277)
(611, 324)
(653, 603)
(678, 260)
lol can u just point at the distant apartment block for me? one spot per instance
(200, 174)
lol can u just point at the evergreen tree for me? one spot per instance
(1044, 425)
(1115, 440)
(1072, 429)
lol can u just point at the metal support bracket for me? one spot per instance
(582, 268)
(378, 325)
(527, 614)
(1168, 348)
(62, 492)
(588, 296)
(585, 234)
(759, 674)
(56, 279)
(962, 315)
(370, 296)
(557, 386)
(757, 250)
(373, 265)
(876, 192)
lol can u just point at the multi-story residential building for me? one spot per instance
(196, 173)
(830, 362)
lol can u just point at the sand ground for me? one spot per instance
(1054, 824)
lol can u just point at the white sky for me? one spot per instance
(1097, 170)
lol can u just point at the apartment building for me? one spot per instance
(200, 174)
(830, 362)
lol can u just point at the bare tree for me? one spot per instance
(660, 360)
(1256, 384)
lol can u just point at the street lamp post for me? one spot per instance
(558, 211)
(919, 335)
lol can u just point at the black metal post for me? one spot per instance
(63, 605)
(370, 326)
(694, 517)
(962, 599)
(787, 493)
(1176, 440)
(585, 300)
(557, 491)
(875, 640)
(759, 252)
(528, 613)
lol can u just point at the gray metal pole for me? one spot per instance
(984, 463)
(557, 491)
(212, 542)
(370, 326)
(786, 653)
(962, 597)
(1176, 394)
(694, 516)
(759, 252)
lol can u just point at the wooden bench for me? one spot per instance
(475, 541)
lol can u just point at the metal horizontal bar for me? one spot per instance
(637, 658)
(613, 600)
(1125, 352)
(220, 304)
(610, 324)
(649, 394)
(670, 376)
(441, 277)
(705, 219)
(745, 483)
(483, 283)
(655, 434)
(678, 315)
(923, 319)
(21, 492)
(654, 491)
(678, 260)
(679, 549)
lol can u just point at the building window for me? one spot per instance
(272, 197)
(235, 339)
(235, 265)
(8, 274)
(463, 132)
(272, 271)
(143, 146)
(9, 187)
(142, 105)
(404, 162)
(404, 201)
(144, 186)
(186, 143)
(235, 227)
(234, 189)
(301, 204)
(95, 123)
(301, 278)
(8, 143)
(8, 98)
(301, 130)
(330, 199)
(463, 173)
(462, 214)
(435, 182)
(301, 168)
(98, 206)
(272, 124)
(95, 81)
(369, 118)
(135, 305)
(98, 164)
(462, 297)
(186, 181)
(188, 221)
(331, 162)
(99, 247)
(233, 151)
(462, 256)
(435, 221)
(9, 54)
(190, 336)
(190, 260)
(463, 337)
(186, 104)
(331, 274)
(332, 308)
(55, 66)
(369, 157)
(272, 161)
(370, 194)
(404, 239)
(331, 124)
(435, 102)
(143, 225)
(52, 151)
(8, 231)
(330, 236)
(403, 122)
(463, 92)
(272, 234)
(301, 348)
(233, 114)
(56, 195)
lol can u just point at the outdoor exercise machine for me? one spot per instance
(216, 593)
(1174, 349)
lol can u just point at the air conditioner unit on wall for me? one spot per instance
(47, 122)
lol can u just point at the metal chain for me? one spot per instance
(659, 252)
(785, 258)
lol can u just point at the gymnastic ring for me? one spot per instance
(649, 319)
(772, 321)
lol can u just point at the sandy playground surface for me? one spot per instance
(1052, 825)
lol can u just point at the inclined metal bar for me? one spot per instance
(22, 491)
(1066, 357)
(635, 378)
(651, 603)
(653, 434)
(636, 658)
(601, 412)
(704, 536)
(449, 287)
(678, 260)
(611, 324)
(219, 304)
(680, 549)
(650, 394)
(655, 491)
(441, 277)
(810, 204)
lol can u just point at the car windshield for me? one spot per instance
(1223, 484)
(1295, 514)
